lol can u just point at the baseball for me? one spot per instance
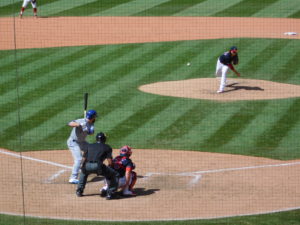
(188, 64)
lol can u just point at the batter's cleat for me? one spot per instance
(20, 15)
(220, 91)
(103, 192)
(109, 195)
(128, 193)
(73, 181)
(79, 193)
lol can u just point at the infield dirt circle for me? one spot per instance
(171, 184)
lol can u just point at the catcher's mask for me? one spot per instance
(125, 151)
(101, 137)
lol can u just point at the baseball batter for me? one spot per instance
(76, 142)
(225, 62)
(24, 5)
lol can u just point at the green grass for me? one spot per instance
(51, 95)
(280, 218)
(51, 83)
(232, 8)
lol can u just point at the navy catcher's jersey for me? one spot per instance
(227, 58)
(121, 163)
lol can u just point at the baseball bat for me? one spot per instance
(85, 103)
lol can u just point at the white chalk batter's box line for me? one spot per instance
(196, 175)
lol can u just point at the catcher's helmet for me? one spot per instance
(101, 137)
(125, 151)
(91, 114)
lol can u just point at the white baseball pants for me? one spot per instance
(221, 71)
(77, 157)
(26, 2)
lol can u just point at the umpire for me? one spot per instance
(92, 163)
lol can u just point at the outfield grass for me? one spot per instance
(51, 83)
(235, 8)
(52, 94)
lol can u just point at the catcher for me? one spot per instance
(127, 177)
(24, 5)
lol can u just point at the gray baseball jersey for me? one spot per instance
(79, 134)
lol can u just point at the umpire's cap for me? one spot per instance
(101, 137)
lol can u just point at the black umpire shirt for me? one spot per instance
(97, 152)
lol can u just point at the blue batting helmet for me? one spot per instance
(91, 114)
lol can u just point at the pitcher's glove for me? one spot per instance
(33, 1)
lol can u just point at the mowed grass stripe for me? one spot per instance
(287, 71)
(145, 78)
(169, 8)
(295, 14)
(269, 49)
(147, 136)
(10, 56)
(267, 71)
(110, 96)
(207, 8)
(187, 117)
(90, 8)
(282, 8)
(245, 8)
(20, 60)
(26, 74)
(138, 118)
(14, 7)
(130, 8)
(288, 147)
(10, 9)
(144, 129)
(111, 80)
(272, 137)
(234, 125)
(266, 117)
(6, 55)
(60, 85)
(38, 83)
(62, 6)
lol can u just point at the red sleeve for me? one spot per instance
(230, 66)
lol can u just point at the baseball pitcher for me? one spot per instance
(225, 62)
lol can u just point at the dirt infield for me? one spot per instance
(75, 31)
(195, 185)
(236, 89)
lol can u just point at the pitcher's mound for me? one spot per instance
(236, 89)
